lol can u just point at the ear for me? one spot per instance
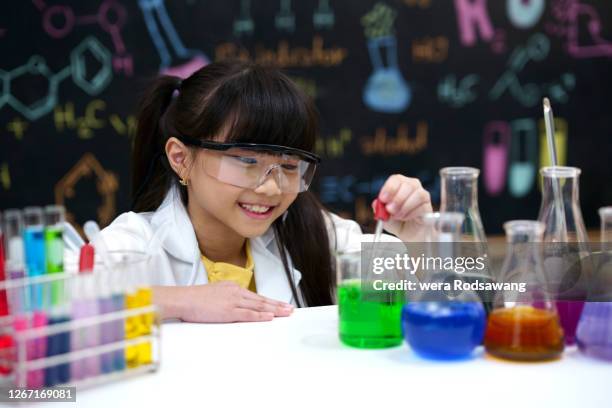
(179, 157)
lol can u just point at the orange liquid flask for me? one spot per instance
(524, 324)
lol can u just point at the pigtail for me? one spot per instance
(151, 175)
(304, 238)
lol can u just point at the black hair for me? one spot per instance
(256, 104)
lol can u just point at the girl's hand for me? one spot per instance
(220, 302)
(406, 201)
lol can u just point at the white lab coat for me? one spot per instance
(176, 259)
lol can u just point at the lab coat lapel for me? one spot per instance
(270, 276)
(175, 231)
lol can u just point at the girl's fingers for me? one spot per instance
(415, 200)
(419, 211)
(247, 315)
(247, 294)
(257, 305)
(388, 190)
(263, 306)
(396, 202)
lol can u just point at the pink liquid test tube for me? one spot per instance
(33, 349)
(85, 305)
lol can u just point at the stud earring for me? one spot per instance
(183, 182)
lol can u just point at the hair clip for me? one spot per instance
(177, 89)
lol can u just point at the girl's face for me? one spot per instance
(248, 212)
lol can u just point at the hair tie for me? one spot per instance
(177, 89)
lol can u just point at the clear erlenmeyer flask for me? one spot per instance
(459, 190)
(442, 324)
(566, 252)
(524, 324)
(594, 332)
(459, 193)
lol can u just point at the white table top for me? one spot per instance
(299, 361)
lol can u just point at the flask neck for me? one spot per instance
(523, 236)
(560, 209)
(524, 232)
(459, 194)
(564, 187)
(523, 239)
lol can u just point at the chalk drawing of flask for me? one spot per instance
(496, 143)
(524, 14)
(523, 158)
(157, 20)
(244, 23)
(285, 19)
(323, 17)
(386, 90)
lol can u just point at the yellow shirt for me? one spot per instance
(222, 271)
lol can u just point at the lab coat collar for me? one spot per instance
(179, 240)
(177, 235)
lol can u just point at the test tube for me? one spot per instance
(3, 297)
(54, 216)
(145, 299)
(6, 341)
(118, 301)
(107, 330)
(85, 305)
(14, 264)
(54, 249)
(54, 240)
(132, 323)
(13, 237)
(18, 297)
(34, 245)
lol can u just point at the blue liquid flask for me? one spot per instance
(444, 330)
(440, 324)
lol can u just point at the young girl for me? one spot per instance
(222, 162)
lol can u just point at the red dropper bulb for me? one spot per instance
(86, 259)
(380, 212)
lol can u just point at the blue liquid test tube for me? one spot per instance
(107, 330)
(34, 245)
(34, 248)
(118, 301)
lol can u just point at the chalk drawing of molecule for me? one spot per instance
(91, 83)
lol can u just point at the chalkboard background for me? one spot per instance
(403, 86)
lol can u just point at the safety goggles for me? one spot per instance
(249, 165)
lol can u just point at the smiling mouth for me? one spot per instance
(256, 208)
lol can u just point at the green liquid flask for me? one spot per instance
(368, 318)
(369, 323)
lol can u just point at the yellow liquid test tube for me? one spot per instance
(132, 330)
(145, 353)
